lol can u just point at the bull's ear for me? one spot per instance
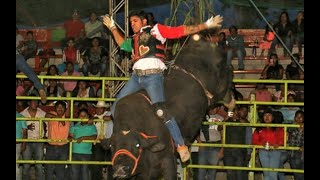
(105, 143)
(153, 144)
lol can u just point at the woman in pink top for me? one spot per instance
(271, 138)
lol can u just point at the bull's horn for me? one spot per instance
(125, 132)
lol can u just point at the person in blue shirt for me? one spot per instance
(21, 133)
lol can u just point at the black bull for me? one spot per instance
(141, 144)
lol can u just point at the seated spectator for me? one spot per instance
(70, 54)
(53, 90)
(293, 71)
(284, 29)
(83, 90)
(273, 70)
(267, 40)
(28, 88)
(69, 85)
(289, 111)
(235, 46)
(278, 96)
(298, 31)
(222, 43)
(52, 71)
(29, 46)
(19, 39)
(95, 59)
(261, 93)
(45, 53)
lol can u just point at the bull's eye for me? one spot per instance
(137, 145)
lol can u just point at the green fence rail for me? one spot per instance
(252, 117)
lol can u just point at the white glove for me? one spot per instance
(214, 22)
(109, 22)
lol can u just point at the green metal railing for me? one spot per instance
(252, 116)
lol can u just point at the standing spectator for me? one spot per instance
(21, 133)
(298, 30)
(105, 130)
(271, 138)
(57, 148)
(29, 46)
(73, 27)
(34, 150)
(268, 38)
(284, 30)
(82, 151)
(210, 134)
(296, 139)
(93, 28)
(235, 45)
(235, 156)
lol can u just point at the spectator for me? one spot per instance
(273, 70)
(93, 28)
(284, 30)
(289, 111)
(267, 40)
(296, 139)
(52, 71)
(95, 59)
(21, 133)
(70, 54)
(73, 27)
(235, 45)
(105, 130)
(19, 39)
(68, 86)
(21, 65)
(82, 151)
(29, 46)
(34, 149)
(235, 156)
(298, 31)
(271, 138)
(261, 93)
(150, 19)
(293, 71)
(57, 150)
(210, 134)
(222, 44)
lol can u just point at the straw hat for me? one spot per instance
(102, 104)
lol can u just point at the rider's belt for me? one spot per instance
(141, 72)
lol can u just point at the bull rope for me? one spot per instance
(208, 94)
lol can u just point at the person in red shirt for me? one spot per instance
(70, 54)
(73, 27)
(271, 138)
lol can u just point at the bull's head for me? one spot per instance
(127, 148)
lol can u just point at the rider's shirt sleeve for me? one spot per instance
(126, 45)
(162, 32)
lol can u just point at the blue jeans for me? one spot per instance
(208, 156)
(18, 156)
(154, 86)
(297, 162)
(287, 41)
(35, 150)
(270, 159)
(80, 171)
(55, 152)
(240, 56)
(283, 159)
(21, 65)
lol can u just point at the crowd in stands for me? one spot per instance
(86, 41)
